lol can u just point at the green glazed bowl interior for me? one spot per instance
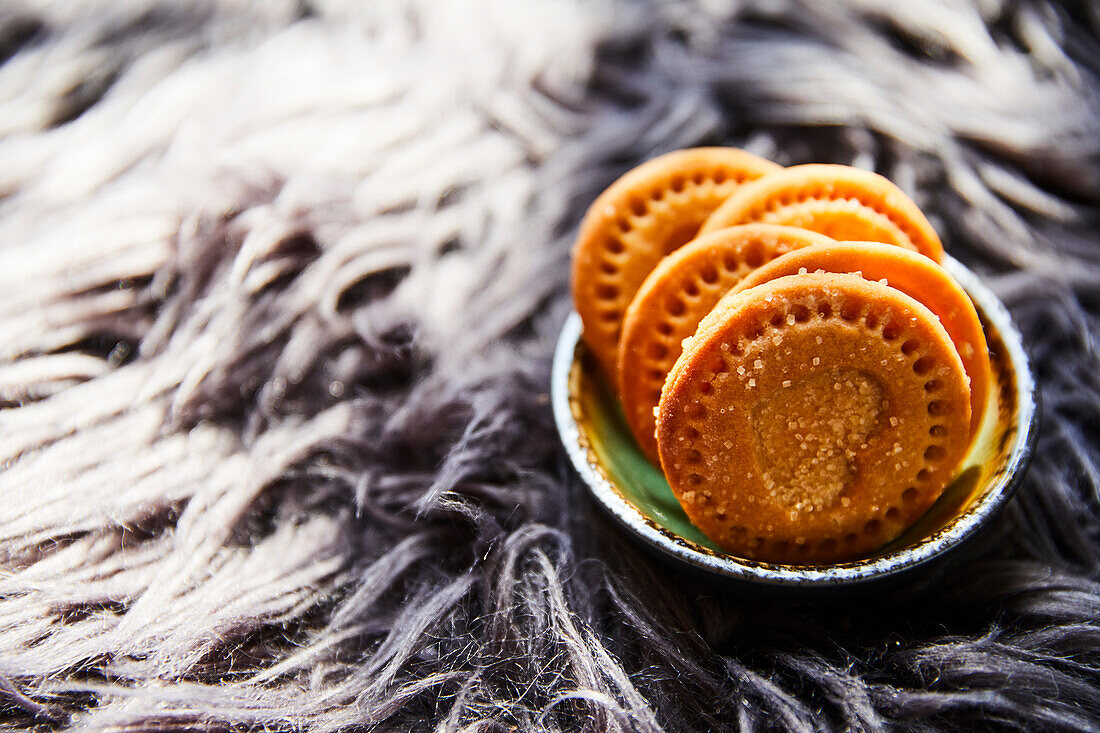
(635, 492)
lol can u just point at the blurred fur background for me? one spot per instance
(279, 284)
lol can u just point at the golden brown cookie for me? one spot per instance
(813, 418)
(913, 275)
(649, 212)
(675, 297)
(838, 201)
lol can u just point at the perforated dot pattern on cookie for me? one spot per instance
(648, 213)
(823, 436)
(675, 297)
(838, 201)
(918, 278)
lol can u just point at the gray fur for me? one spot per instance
(279, 284)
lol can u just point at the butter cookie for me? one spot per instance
(836, 200)
(812, 418)
(648, 213)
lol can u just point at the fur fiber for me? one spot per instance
(279, 284)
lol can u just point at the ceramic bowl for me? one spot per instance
(635, 492)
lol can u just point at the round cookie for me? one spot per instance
(839, 201)
(675, 297)
(793, 429)
(649, 212)
(916, 277)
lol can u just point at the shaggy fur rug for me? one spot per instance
(279, 285)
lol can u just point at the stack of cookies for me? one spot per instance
(785, 345)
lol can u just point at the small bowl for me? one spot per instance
(635, 492)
